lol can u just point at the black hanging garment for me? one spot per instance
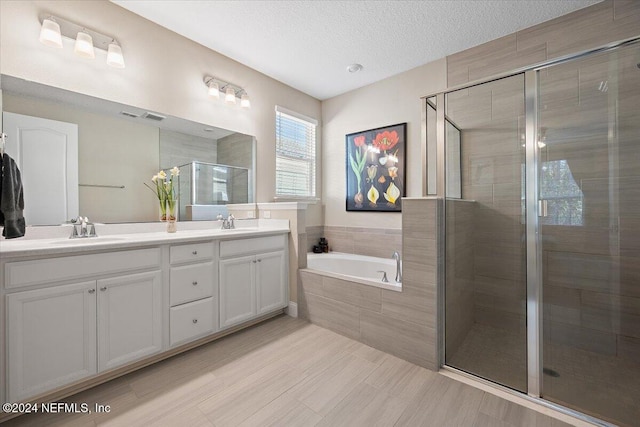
(11, 199)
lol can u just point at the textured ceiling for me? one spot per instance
(309, 44)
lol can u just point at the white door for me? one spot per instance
(129, 318)
(237, 290)
(51, 338)
(271, 281)
(46, 152)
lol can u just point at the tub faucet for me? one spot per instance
(396, 256)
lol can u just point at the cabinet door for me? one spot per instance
(271, 281)
(51, 338)
(129, 318)
(237, 290)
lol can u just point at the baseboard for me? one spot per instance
(292, 309)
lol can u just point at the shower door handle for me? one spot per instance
(542, 208)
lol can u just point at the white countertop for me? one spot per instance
(131, 236)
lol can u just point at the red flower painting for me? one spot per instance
(386, 140)
(359, 141)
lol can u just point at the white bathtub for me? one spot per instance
(355, 268)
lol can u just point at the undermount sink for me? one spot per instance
(87, 240)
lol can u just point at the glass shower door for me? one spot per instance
(485, 262)
(589, 184)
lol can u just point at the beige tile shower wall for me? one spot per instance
(401, 323)
(237, 150)
(460, 272)
(491, 119)
(587, 28)
(592, 271)
(177, 149)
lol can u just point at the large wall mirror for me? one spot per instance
(117, 149)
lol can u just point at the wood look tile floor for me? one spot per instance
(287, 372)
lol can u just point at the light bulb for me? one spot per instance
(230, 96)
(244, 101)
(50, 34)
(84, 46)
(114, 55)
(214, 90)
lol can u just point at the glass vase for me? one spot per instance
(172, 217)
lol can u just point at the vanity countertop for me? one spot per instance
(15, 248)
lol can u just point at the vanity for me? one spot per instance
(82, 311)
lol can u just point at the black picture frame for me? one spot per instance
(376, 182)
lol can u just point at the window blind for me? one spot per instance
(295, 154)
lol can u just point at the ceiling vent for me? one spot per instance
(153, 116)
(128, 114)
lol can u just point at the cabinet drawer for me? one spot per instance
(251, 246)
(191, 320)
(191, 282)
(191, 252)
(36, 272)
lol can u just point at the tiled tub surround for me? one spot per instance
(375, 242)
(401, 323)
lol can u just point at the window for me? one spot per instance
(561, 192)
(295, 154)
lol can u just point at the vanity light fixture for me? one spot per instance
(230, 90)
(214, 89)
(114, 55)
(86, 40)
(245, 102)
(84, 45)
(230, 97)
(50, 33)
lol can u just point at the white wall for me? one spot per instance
(387, 102)
(131, 158)
(163, 73)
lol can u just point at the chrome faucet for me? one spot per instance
(396, 256)
(227, 223)
(82, 228)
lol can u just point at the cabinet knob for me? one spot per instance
(104, 288)
(259, 260)
(194, 283)
(195, 320)
(254, 261)
(195, 252)
(91, 291)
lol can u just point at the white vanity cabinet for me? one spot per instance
(51, 338)
(253, 278)
(129, 318)
(193, 292)
(70, 328)
(75, 318)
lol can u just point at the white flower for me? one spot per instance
(175, 171)
(154, 178)
(162, 175)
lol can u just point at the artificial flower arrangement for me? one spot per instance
(166, 192)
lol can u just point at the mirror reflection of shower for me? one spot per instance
(206, 189)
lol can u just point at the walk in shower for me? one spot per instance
(540, 172)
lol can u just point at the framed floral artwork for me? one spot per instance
(376, 169)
